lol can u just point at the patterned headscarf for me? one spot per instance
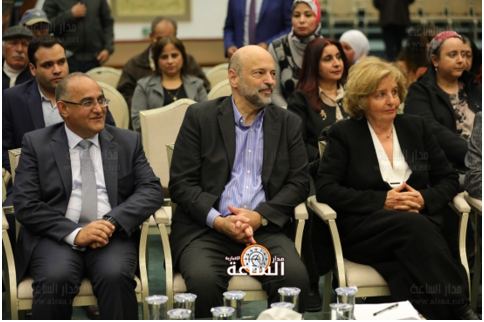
(439, 39)
(313, 4)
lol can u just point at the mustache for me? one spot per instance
(17, 54)
(266, 87)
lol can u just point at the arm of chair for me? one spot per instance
(473, 202)
(301, 215)
(163, 221)
(462, 208)
(10, 274)
(328, 215)
(143, 265)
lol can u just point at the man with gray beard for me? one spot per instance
(15, 41)
(238, 172)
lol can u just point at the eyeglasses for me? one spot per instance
(89, 105)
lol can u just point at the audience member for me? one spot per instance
(172, 80)
(80, 216)
(255, 22)
(86, 29)
(473, 56)
(473, 160)
(317, 101)
(15, 41)
(32, 105)
(144, 65)
(36, 21)
(447, 96)
(288, 50)
(390, 184)
(413, 58)
(394, 19)
(238, 172)
(355, 45)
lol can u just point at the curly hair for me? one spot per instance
(364, 78)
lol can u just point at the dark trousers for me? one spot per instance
(81, 66)
(393, 35)
(204, 267)
(411, 254)
(58, 270)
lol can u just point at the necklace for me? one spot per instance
(174, 97)
(390, 134)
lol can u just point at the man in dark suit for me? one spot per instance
(239, 169)
(81, 191)
(15, 41)
(32, 105)
(272, 19)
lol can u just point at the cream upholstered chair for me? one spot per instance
(218, 73)
(221, 89)
(13, 156)
(117, 105)
(369, 282)
(476, 211)
(175, 284)
(106, 75)
(341, 11)
(160, 126)
(5, 181)
(435, 11)
(20, 297)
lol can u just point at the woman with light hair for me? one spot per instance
(390, 184)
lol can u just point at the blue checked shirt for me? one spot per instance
(244, 190)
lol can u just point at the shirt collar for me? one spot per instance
(73, 139)
(240, 121)
(340, 93)
(42, 96)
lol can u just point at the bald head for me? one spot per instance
(246, 55)
(252, 76)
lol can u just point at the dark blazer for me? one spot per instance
(43, 186)
(312, 122)
(393, 12)
(22, 113)
(349, 178)
(427, 99)
(202, 164)
(274, 21)
(23, 77)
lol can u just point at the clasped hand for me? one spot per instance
(410, 200)
(95, 235)
(240, 226)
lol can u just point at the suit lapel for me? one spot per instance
(263, 8)
(35, 106)
(272, 131)
(226, 123)
(110, 155)
(406, 144)
(60, 149)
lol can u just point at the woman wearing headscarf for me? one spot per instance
(355, 45)
(287, 51)
(447, 96)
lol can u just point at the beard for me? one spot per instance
(254, 96)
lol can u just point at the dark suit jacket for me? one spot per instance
(274, 21)
(22, 113)
(349, 178)
(43, 186)
(203, 159)
(24, 76)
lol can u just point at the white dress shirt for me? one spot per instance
(75, 202)
(258, 5)
(400, 172)
(51, 114)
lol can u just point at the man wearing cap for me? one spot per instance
(36, 21)
(32, 105)
(86, 28)
(15, 41)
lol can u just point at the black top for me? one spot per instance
(174, 94)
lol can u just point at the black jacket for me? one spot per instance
(24, 76)
(427, 99)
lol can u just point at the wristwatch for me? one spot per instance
(263, 221)
(113, 222)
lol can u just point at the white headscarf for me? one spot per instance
(358, 42)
